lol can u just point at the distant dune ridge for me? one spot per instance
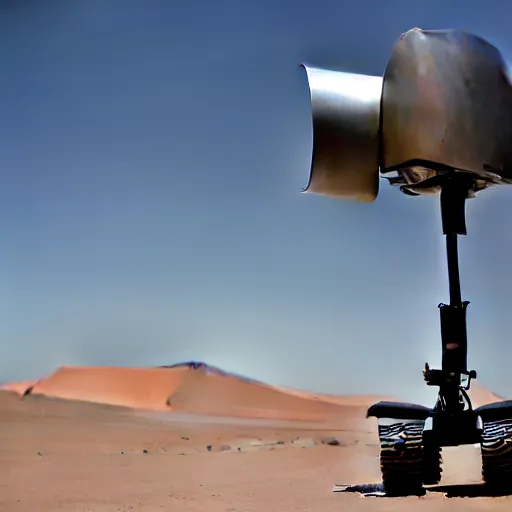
(195, 387)
(191, 387)
(480, 395)
(20, 388)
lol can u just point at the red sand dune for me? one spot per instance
(353, 400)
(200, 389)
(231, 396)
(185, 388)
(142, 388)
(20, 388)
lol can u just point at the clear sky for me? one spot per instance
(152, 154)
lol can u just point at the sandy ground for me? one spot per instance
(64, 455)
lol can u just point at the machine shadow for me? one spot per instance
(479, 490)
(471, 490)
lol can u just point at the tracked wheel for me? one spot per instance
(401, 456)
(496, 449)
(432, 463)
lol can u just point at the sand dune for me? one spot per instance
(226, 395)
(143, 388)
(200, 389)
(191, 388)
(480, 395)
(20, 388)
(353, 400)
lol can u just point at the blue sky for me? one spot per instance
(152, 157)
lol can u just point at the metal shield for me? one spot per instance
(345, 114)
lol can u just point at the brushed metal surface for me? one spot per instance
(446, 102)
(345, 117)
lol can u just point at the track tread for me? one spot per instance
(401, 456)
(496, 450)
(432, 464)
(406, 463)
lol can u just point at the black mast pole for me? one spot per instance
(453, 315)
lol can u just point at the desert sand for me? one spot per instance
(195, 438)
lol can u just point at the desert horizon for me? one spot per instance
(105, 383)
(181, 387)
(194, 437)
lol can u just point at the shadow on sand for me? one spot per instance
(450, 491)
(471, 490)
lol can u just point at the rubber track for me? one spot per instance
(496, 449)
(401, 456)
(432, 465)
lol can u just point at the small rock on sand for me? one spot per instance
(331, 441)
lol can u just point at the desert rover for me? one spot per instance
(438, 122)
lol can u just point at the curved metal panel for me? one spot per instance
(345, 113)
(447, 102)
